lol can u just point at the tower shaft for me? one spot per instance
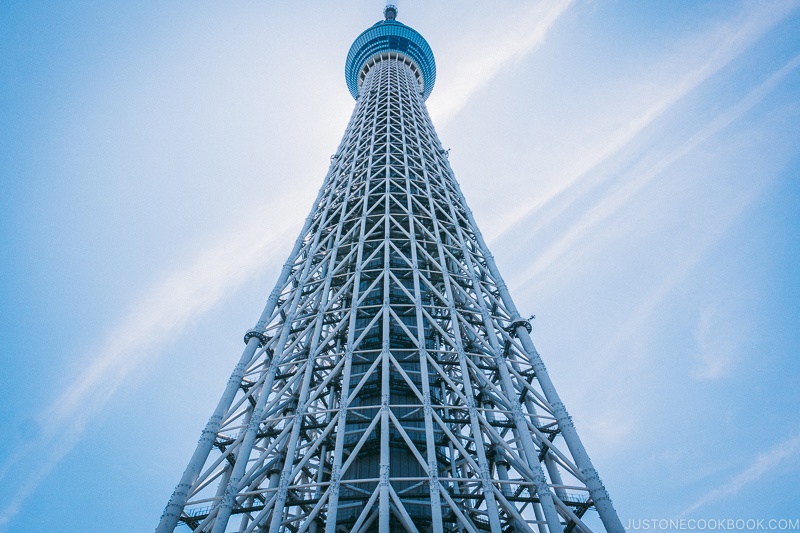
(390, 384)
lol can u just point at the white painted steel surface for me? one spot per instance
(390, 384)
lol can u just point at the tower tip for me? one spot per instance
(390, 11)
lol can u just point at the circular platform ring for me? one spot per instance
(390, 36)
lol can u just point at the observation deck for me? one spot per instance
(383, 40)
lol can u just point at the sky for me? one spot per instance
(634, 167)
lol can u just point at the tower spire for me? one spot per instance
(390, 383)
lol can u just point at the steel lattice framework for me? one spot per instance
(390, 384)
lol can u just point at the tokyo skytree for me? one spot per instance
(390, 384)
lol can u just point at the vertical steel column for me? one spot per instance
(226, 504)
(523, 435)
(385, 465)
(174, 508)
(333, 501)
(491, 504)
(597, 490)
(430, 443)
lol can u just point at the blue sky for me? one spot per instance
(634, 166)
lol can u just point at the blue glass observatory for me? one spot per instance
(390, 36)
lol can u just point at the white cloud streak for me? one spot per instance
(495, 53)
(762, 465)
(621, 196)
(715, 345)
(162, 313)
(691, 257)
(717, 226)
(613, 425)
(718, 47)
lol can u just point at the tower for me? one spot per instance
(390, 383)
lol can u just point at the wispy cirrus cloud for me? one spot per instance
(763, 464)
(643, 175)
(699, 58)
(163, 311)
(494, 53)
(716, 346)
(710, 363)
(718, 227)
